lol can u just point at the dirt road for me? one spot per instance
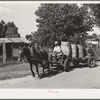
(79, 78)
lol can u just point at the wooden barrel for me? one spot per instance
(80, 51)
(74, 51)
(65, 44)
(66, 48)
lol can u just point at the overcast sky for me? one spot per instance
(22, 14)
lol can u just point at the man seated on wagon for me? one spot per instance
(57, 52)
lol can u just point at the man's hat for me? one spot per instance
(56, 43)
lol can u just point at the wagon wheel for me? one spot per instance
(76, 63)
(66, 65)
(91, 62)
(47, 64)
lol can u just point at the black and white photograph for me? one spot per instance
(49, 45)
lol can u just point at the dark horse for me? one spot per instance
(35, 56)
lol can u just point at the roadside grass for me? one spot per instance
(14, 69)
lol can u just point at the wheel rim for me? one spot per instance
(92, 63)
(66, 65)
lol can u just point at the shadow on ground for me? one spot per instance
(54, 71)
(80, 66)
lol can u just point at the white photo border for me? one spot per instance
(49, 93)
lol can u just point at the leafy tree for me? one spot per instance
(30, 37)
(94, 35)
(8, 30)
(95, 10)
(62, 22)
(2, 28)
(12, 30)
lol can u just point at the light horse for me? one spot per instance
(35, 56)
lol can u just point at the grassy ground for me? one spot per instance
(14, 69)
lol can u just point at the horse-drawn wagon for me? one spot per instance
(75, 54)
(71, 53)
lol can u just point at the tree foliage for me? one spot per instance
(93, 36)
(30, 37)
(95, 9)
(8, 30)
(62, 22)
(2, 29)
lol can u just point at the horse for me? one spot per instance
(35, 56)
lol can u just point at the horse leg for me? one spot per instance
(49, 67)
(42, 66)
(37, 70)
(32, 70)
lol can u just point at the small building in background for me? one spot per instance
(92, 41)
(12, 46)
